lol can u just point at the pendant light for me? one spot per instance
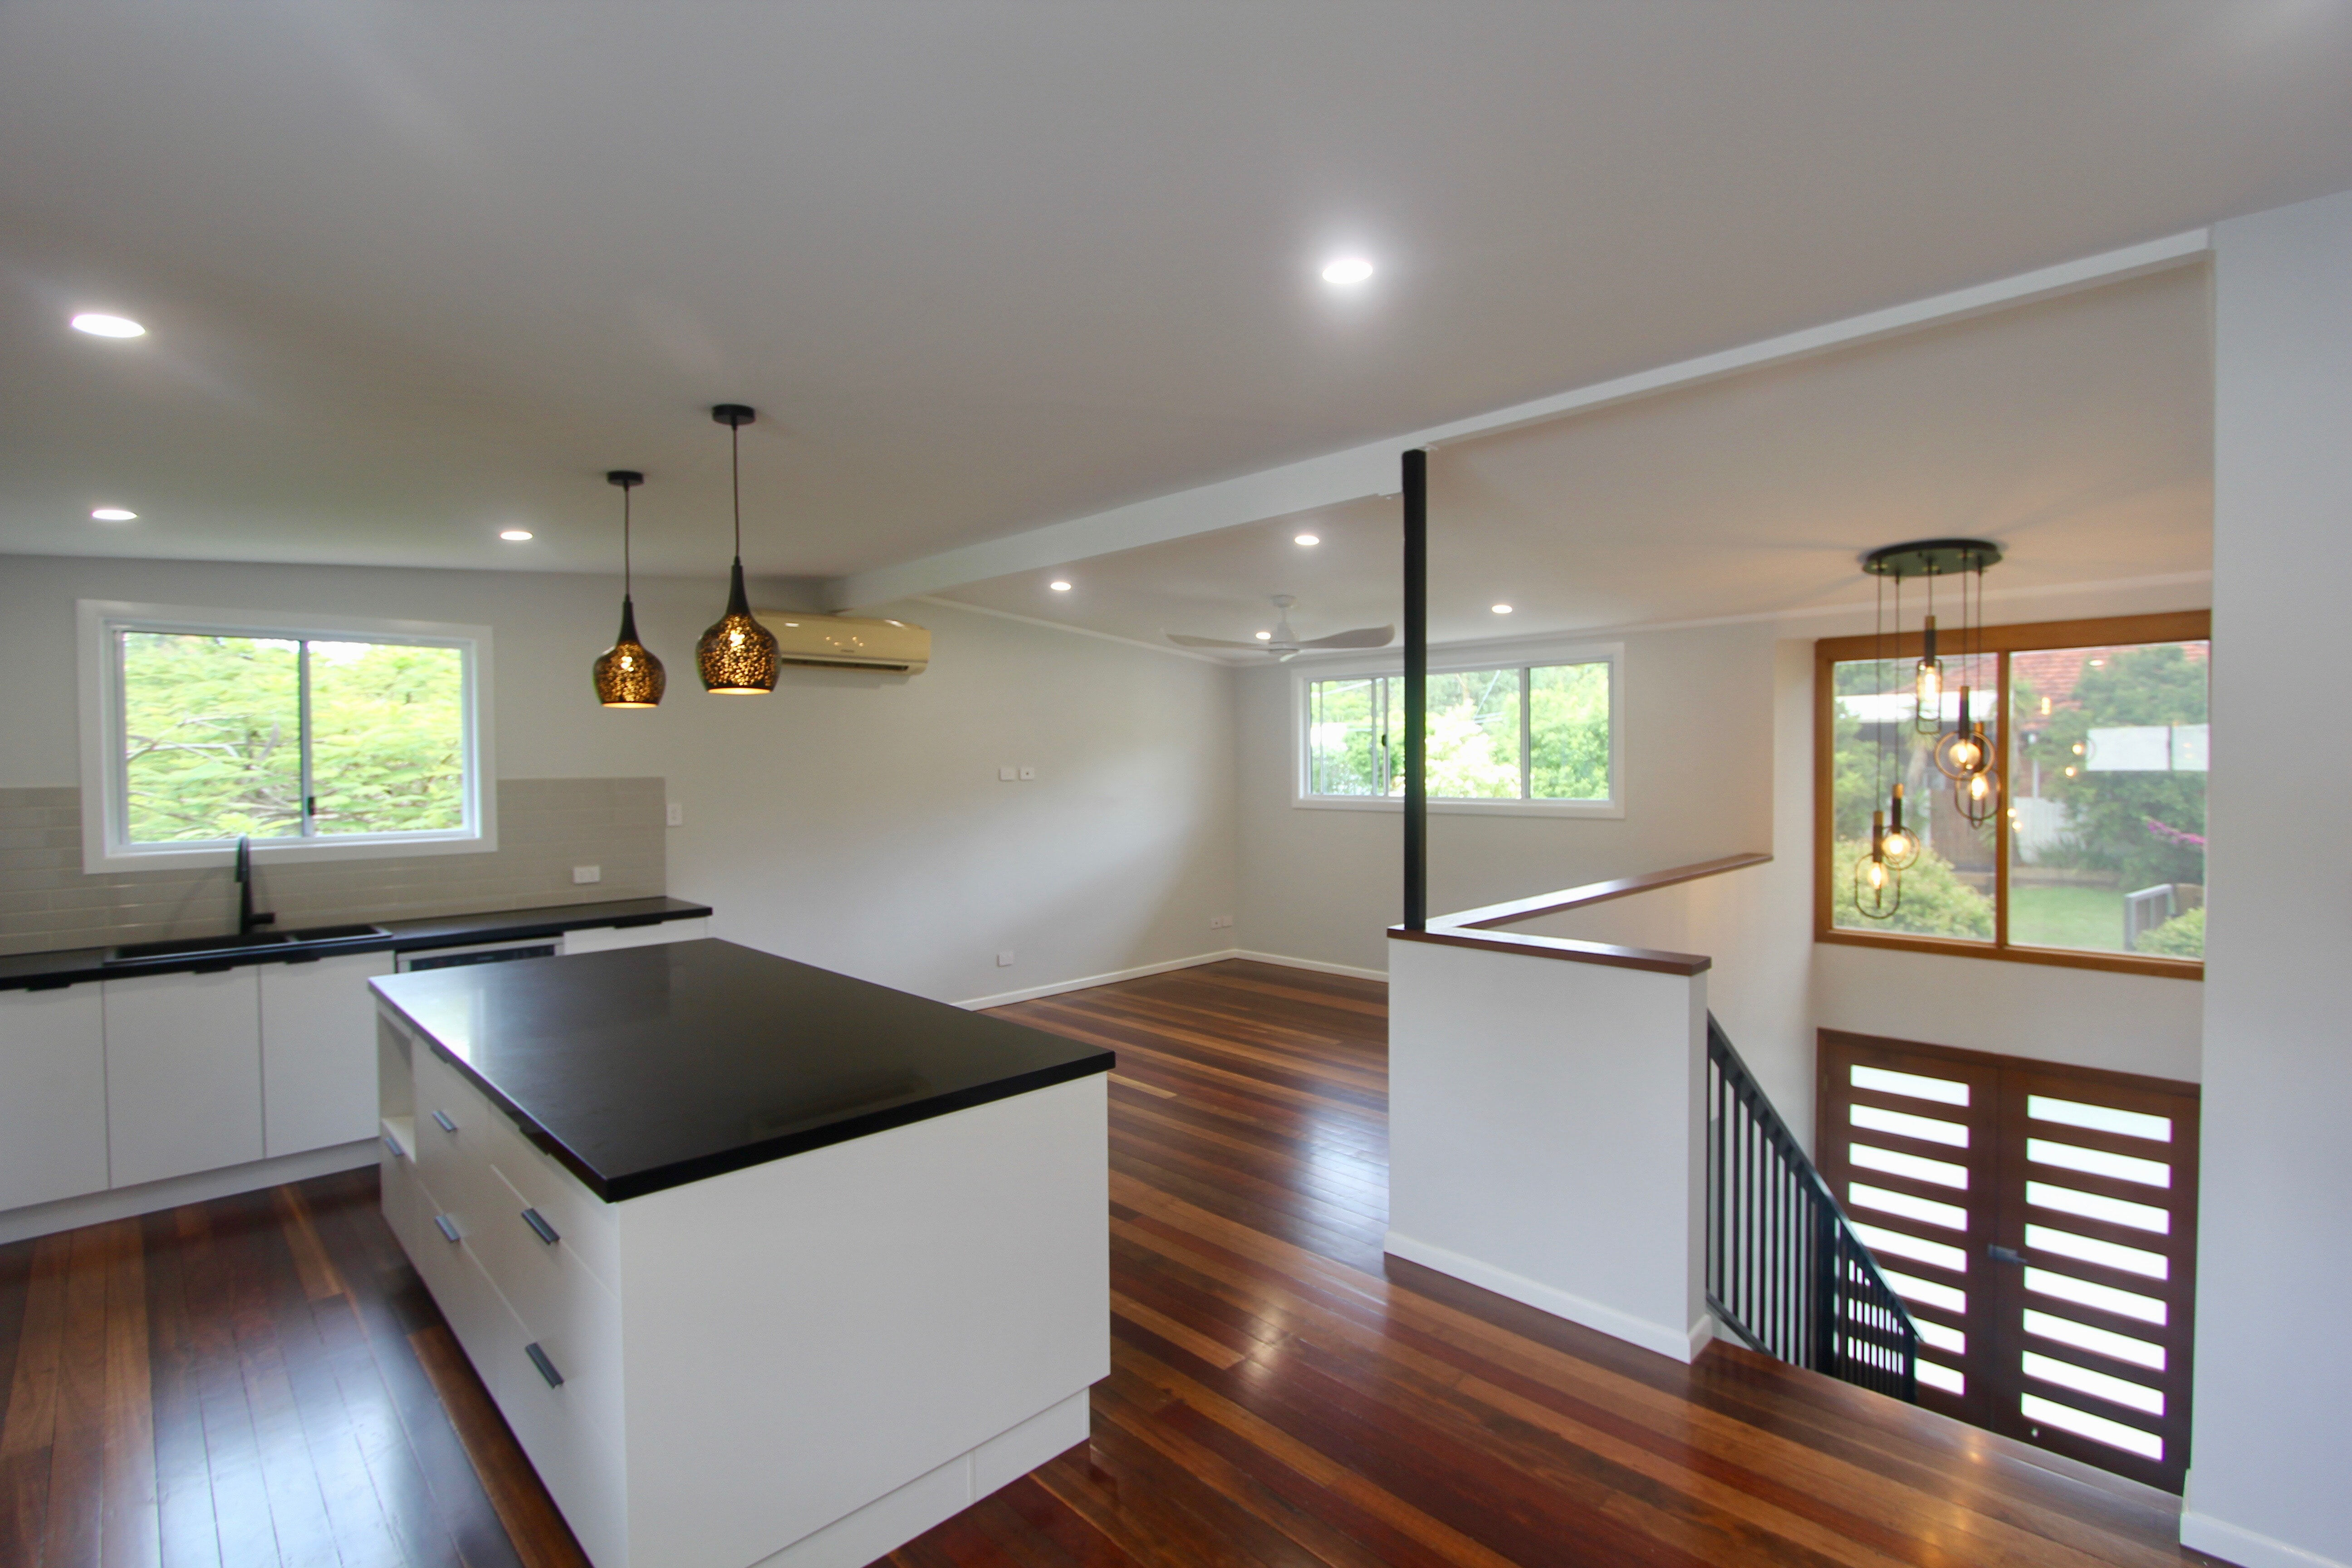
(737, 655)
(1963, 753)
(627, 675)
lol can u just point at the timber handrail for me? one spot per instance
(1479, 927)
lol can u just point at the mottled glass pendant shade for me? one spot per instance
(628, 674)
(738, 655)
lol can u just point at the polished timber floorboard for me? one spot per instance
(262, 1380)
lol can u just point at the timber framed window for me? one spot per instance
(2096, 859)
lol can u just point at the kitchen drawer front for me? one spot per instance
(573, 1437)
(587, 1223)
(568, 1310)
(406, 1208)
(456, 1164)
(476, 1312)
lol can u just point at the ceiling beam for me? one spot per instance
(1370, 469)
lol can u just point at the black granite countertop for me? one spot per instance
(652, 1067)
(42, 971)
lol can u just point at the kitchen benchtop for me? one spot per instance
(652, 1067)
(42, 971)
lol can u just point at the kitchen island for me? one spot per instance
(763, 1265)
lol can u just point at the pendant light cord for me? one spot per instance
(627, 582)
(735, 467)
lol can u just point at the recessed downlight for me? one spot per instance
(514, 535)
(98, 324)
(1265, 637)
(113, 514)
(1502, 609)
(1307, 539)
(1058, 585)
(1347, 271)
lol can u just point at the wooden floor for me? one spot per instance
(262, 1380)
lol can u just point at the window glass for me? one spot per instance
(387, 738)
(1346, 736)
(212, 742)
(1516, 734)
(1474, 736)
(2107, 840)
(215, 743)
(1877, 743)
(1567, 733)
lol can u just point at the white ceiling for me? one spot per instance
(419, 272)
(2078, 433)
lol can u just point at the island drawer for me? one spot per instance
(586, 1223)
(574, 1317)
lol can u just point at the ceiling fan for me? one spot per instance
(1285, 644)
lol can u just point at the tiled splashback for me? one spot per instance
(546, 827)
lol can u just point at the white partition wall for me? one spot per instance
(1546, 1133)
(2267, 1483)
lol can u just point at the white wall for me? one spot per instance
(2274, 1415)
(852, 820)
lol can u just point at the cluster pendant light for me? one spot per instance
(1961, 753)
(738, 655)
(627, 675)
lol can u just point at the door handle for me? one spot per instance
(443, 1118)
(449, 1231)
(1999, 1254)
(538, 1222)
(546, 1367)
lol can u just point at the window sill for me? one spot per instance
(100, 858)
(1598, 809)
(2113, 963)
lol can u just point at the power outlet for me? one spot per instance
(1221, 922)
(1004, 959)
(587, 873)
(677, 816)
(1027, 774)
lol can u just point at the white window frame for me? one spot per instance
(105, 838)
(1450, 662)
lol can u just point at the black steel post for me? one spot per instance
(1416, 690)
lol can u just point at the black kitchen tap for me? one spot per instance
(246, 919)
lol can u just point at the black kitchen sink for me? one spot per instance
(206, 946)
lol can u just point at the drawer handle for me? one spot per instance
(546, 1367)
(394, 1144)
(443, 1118)
(448, 1230)
(538, 1222)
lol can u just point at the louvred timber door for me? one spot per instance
(2041, 1223)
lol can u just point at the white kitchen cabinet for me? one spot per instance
(52, 1095)
(318, 1052)
(183, 1073)
(605, 939)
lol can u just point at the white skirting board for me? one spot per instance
(148, 1197)
(2249, 1549)
(1681, 1344)
(892, 1519)
(1056, 988)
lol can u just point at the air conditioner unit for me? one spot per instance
(848, 642)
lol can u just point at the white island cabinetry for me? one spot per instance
(801, 1362)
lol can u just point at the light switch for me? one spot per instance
(1004, 959)
(677, 814)
(1008, 774)
(587, 873)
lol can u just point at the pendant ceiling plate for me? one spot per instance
(734, 416)
(1931, 558)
